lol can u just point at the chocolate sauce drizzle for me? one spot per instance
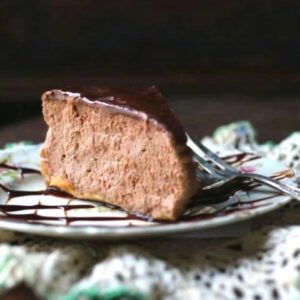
(202, 198)
(241, 158)
(20, 170)
(51, 191)
(35, 217)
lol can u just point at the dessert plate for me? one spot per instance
(58, 215)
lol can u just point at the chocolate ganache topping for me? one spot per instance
(144, 103)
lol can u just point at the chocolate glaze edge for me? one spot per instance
(143, 103)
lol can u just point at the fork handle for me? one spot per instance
(284, 188)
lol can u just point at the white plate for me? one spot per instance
(90, 229)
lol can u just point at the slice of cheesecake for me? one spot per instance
(120, 146)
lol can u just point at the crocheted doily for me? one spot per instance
(263, 264)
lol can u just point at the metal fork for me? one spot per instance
(226, 176)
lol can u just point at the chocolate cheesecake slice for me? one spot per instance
(120, 146)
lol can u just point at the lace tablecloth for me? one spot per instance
(262, 264)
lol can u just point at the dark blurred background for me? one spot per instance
(215, 61)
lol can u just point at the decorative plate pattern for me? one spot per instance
(73, 218)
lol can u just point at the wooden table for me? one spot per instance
(274, 118)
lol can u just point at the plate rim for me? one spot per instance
(118, 233)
